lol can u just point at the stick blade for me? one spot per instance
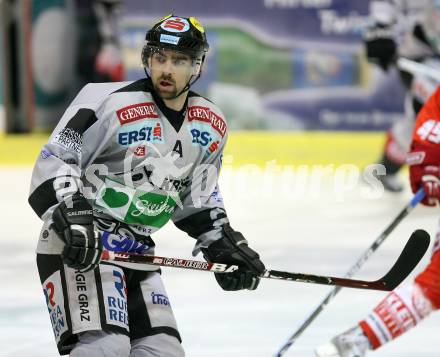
(411, 255)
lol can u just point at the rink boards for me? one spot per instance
(253, 147)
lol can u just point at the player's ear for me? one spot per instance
(197, 67)
(196, 70)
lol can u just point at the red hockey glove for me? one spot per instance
(424, 171)
(427, 177)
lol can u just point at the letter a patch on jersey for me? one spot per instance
(178, 148)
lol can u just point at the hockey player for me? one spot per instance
(99, 54)
(125, 159)
(406, 29)
(406, 306)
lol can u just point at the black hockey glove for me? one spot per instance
(74, 225)
(380, 45)
(233, 249)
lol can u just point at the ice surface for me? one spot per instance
(320, 233)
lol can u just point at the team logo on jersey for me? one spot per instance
(430, 131)
(216, 195)
(200, 137)
(134, 206)
(136, 112)
(175, 24)
(140, 151)
(205, 115)
(204, 139)
(115, 296)
(45, 153)
(147, 132)
(53, 294)
(159, 299)
(122, 244)
(68, 139)
(120, 283)
(213, 147)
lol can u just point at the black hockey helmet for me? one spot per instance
(176, 33)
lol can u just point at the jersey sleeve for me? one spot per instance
(77, 140)
(203, 213)
(425, 146)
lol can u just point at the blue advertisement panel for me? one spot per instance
(281, 64)
(272, 64)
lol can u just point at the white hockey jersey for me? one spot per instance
(137, 162)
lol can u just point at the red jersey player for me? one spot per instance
(406, 306)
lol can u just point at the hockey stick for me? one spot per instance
(414, 67)
(414, 250)
(373, 247)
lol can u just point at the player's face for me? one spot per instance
(170, 72)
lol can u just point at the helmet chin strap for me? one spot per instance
(187, 86)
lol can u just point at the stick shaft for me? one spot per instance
(409, 257)
(226, 268)
(167, 262)
(415, 68)
(363, 258)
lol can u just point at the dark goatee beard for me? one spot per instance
(166, 95)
